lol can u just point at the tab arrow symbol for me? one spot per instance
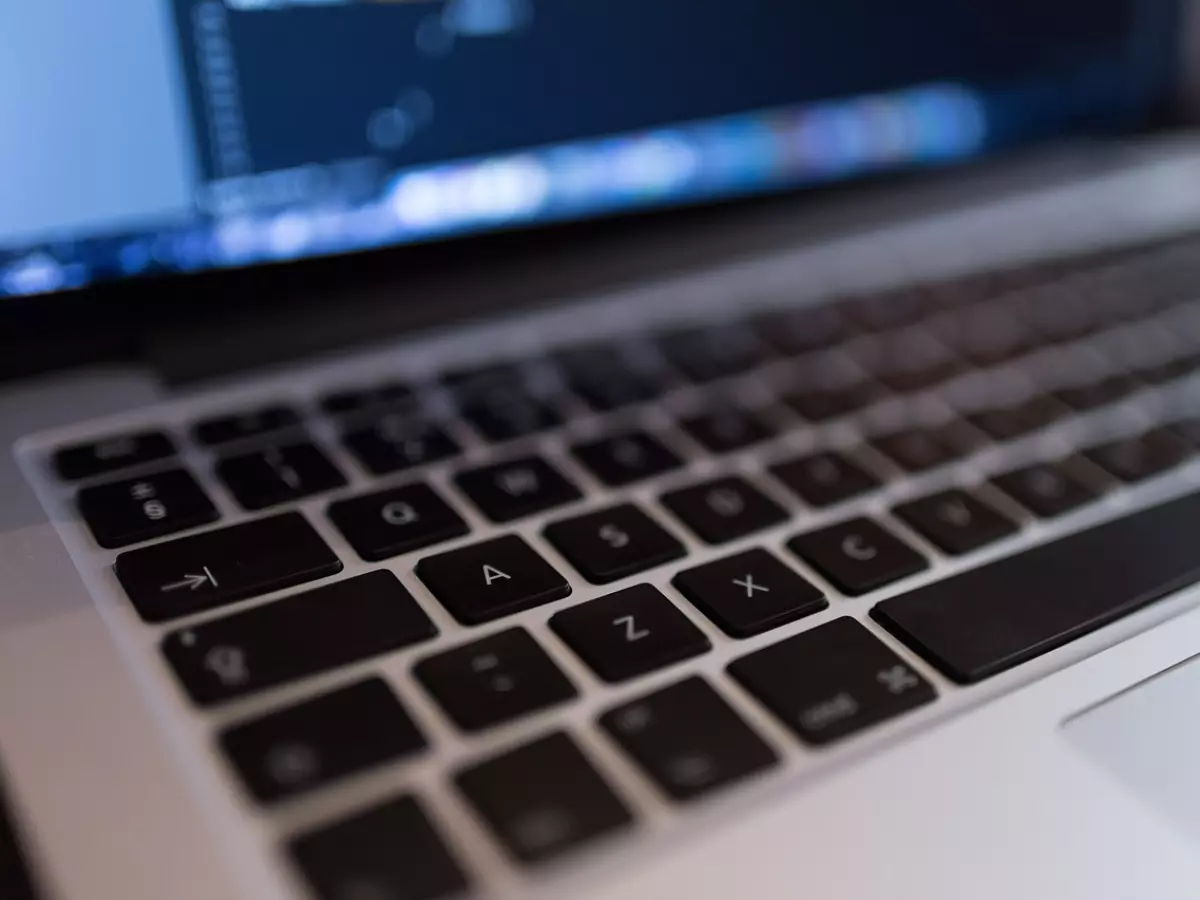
(192, 582)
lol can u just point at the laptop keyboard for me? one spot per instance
(889, 388)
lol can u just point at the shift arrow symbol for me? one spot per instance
(192, 582)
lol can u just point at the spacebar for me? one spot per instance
(986, 620)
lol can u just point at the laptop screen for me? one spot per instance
(178, 135)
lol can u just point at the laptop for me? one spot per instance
(499, 448)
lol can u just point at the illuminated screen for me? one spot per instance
(179, 135)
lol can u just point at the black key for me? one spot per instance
(208, 570)
(824, 479)
(142, 508)
(506, 417)
(987, 335)
(363, 399)
(112, 454)
(295, 637)
(749, 593)
(494, 680)
(1137, 458)
(831, 682)
(991, 618)
(1007, 423)
(688, 739)
(1094, 394)
(821, 404)
(858, 556)
(543, 799)
(800, 331)
(499, 403)
(1188, 429)
(724, 509)
(916, 450)
(728, 429)
(626, 458)
(712, 352)
(319, 741)
(956, 521)
(1046, 489)
(240, 426)
(629, 633)
(886, 310)
(517, 488)
(493, 579)
(396, 442)
(278, 475)
(909, 361)
(390, 852)
(610, 544)
(396, 521)
(612, 377)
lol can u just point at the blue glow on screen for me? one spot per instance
(736, 155)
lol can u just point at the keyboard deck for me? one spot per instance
(428, 622)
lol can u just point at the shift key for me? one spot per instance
(205, 571)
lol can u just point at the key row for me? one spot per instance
(214, 568)
(400, 520)
(503, 401)
(547, 796)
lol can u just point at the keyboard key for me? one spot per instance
(364, 399)
(885, 310)
(500, 404)
(204, 571)
(493, 579)
(629, 633)
(728, 429)
(908, 361)
(724, 509)
(688, 739)
(507, 417)
(917, 450)
(1137, 458)
(278, 475)
(831, 682)
(517, 488)
(1008, 423)
(609, 377)
(824, 479)
(112, 454)
(319, 741)
(543, 799)
(397, 442)
(989, 619)
(820, 404)
(715, 351)
(1094, 394)
(142, 508)
(395, 521)
(749, 593)
(800, 331)
(298, 636)
(858, 556)
(252, 423)
(1046, 489)
(956, 521)
(613, 543)
(388, 853)
(494, 680)
(626, 458)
